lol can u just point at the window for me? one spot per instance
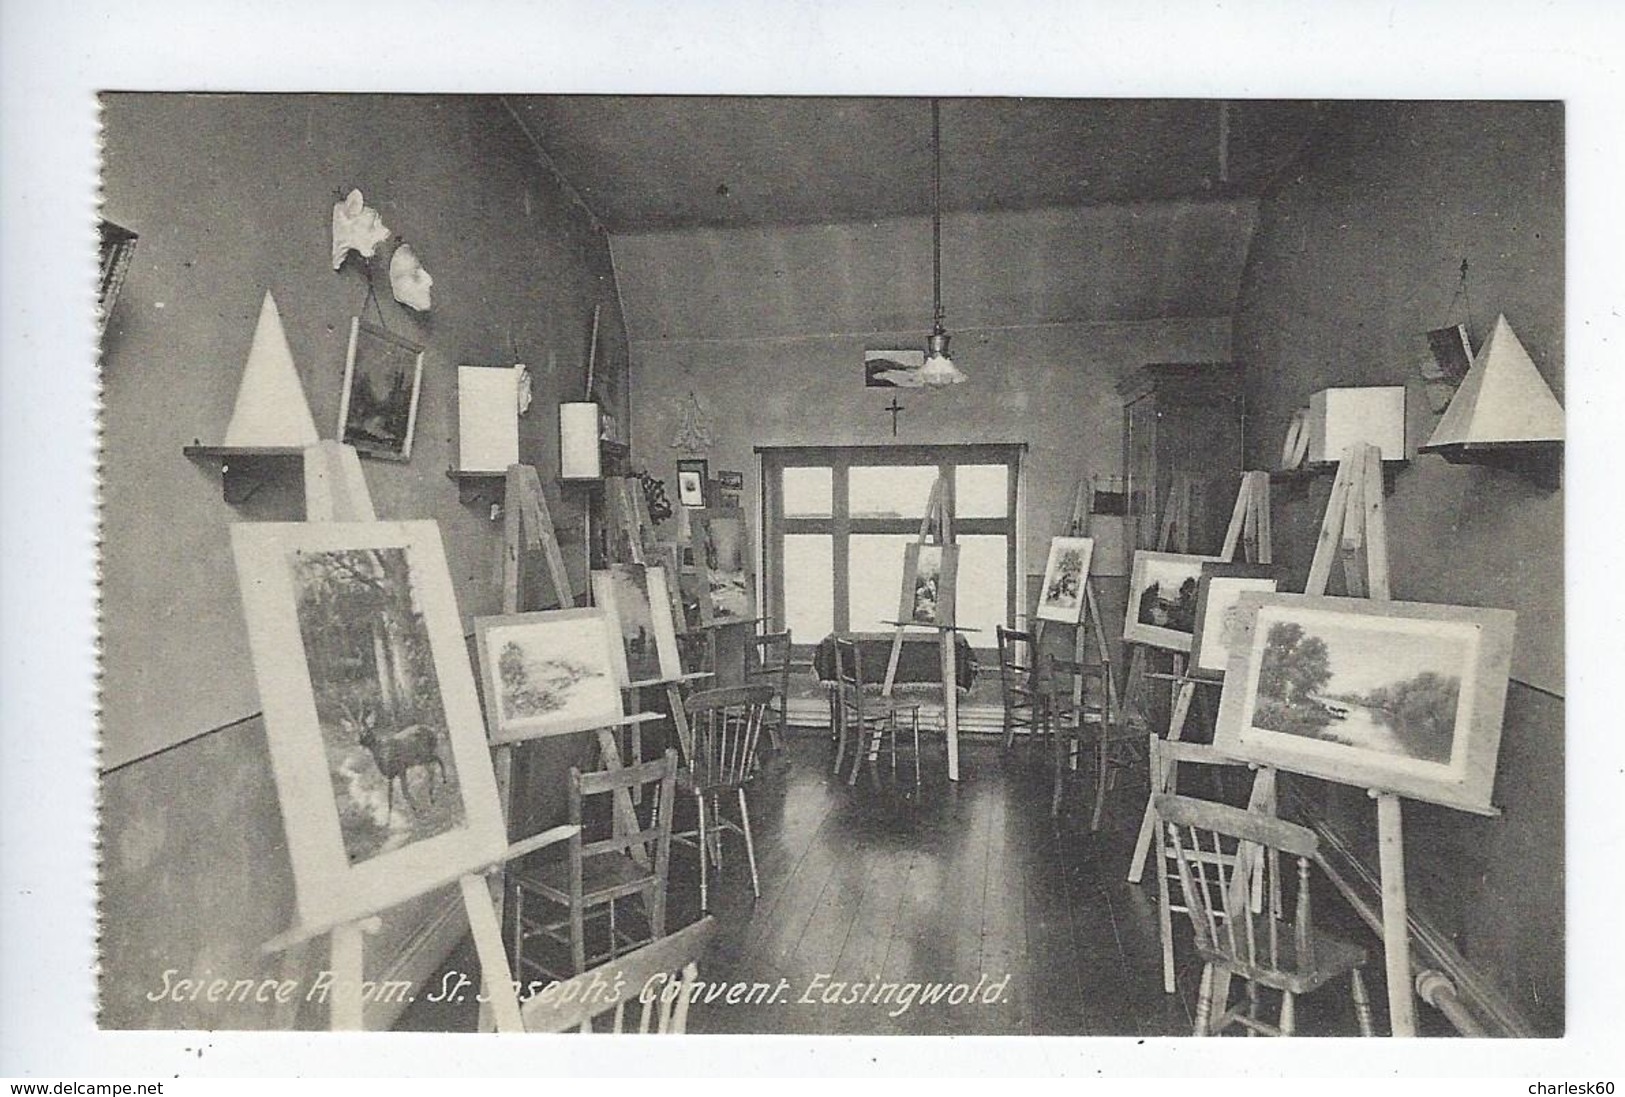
(837, 520)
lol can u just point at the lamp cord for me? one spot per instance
(936, 211)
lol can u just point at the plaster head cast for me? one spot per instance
(409, 281)
(356, 227)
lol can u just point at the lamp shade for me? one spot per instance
(939, 369)
(1502, 400)
(579, 455)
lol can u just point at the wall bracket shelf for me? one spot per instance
(482, 487)
(245, 469)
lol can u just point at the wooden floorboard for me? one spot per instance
(886, 897)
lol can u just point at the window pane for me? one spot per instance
(809, 586)
(876, 579)
(981, 491)
(890, 491)
(981, 591)
(807, 492)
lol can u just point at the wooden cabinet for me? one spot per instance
(1183, 419)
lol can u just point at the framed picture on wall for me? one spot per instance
(378, 410)
(929, 576)
(1162, 599)
(1401, 697)
(692, 473)
(373, 723)
(1216, 615)
(636, 599)
(549, 673)
(1061, 597)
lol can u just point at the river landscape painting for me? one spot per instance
(1396, 696)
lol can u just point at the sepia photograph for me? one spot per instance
(392, 700)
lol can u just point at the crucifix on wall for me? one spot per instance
(894, 407)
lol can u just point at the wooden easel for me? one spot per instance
(527, 527)
(629, 514)
(938, 517)
(1355, 534)
(1077, 525)
(1172, 536)
(1250, 532)
(336, 491)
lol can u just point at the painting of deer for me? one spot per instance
(396, 752)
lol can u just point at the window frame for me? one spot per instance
(841, 526)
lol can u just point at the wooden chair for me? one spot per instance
(1266, 948)
(656, 979)
(725, 726)
(868, 720)
(1166, 756)
(1077, 709)
(767, 662)
(594, 874)
(1023, 700)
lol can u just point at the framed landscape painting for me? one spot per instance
(636, 599)
(929, 576)
(722, 552)
(378, 412)
(1400, 697)
(371, 714)
(549, 673)
(1062, 596)
(1216, 615)
(1162, 599)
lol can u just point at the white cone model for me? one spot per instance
(271, 408)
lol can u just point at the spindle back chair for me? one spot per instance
(1268, 948)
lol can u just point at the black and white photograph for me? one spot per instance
(898, 729)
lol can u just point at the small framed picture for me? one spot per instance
(379, 409)
(929, 575)
(1062, 596)
(692, 473)
(1399, 697)
(549, 673)
(1162, 599)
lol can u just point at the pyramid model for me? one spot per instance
(271, 408)
(1503, 398)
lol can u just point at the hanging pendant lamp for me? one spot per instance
(939, 369)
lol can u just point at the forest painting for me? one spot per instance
(1064, 577)
(1397, 696)
(549, 673)
(383, 724)
(382, 376)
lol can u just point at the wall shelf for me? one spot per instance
(1300, 478)
(245, 469)
(483, 487)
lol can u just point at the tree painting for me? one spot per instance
(1067, 585)
(1393, 692)
(382, 394)
(377, 698)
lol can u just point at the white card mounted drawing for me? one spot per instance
(549, 673)
(373, 722)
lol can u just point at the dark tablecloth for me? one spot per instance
(919, 664)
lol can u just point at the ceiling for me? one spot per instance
(654, 163)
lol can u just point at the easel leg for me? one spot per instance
(1148, 822)
(626, 816)
(950, 701)
(346, 1015)
(496, 978)
(1396, 937)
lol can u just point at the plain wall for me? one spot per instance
(1051, 386)
(232, 196)
(1353, 258)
